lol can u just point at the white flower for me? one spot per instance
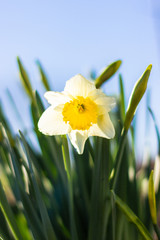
(80, 111)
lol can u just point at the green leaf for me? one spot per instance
(18, 176)
(43, 76)
(152, 199)
(25, 79)
(18, 184)
(39, 105)
(132, 217)
(49, 232)
(22, 223)
(6, 209)
(109, 71)
(122, 97)
(66, 158)
(136, 95)
(118, 160)
(100, 189)
(32, 217)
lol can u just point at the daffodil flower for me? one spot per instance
(80, 111)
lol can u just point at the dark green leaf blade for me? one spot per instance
(132, 217)
(9, 215)
(48, 229)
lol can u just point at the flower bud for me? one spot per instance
(136, 95)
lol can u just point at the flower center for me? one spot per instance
(80, 113)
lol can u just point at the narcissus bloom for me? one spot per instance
(80, 111)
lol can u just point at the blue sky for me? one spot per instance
(71, 37)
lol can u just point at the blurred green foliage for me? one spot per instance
(55, 193)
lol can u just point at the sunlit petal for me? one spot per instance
(51, 123)
(78, 139)
(103, 128)
(80, 111)
(79, 86)
(101, 99)
(56, 98)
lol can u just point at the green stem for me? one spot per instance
(52, 147)
(80, 169)
(118, 160)
(94, 209)
(67, 164)
(97, 223)
(113, 218)
(91, 149)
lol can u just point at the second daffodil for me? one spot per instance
(80, 111)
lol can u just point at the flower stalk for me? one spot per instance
(67, 164)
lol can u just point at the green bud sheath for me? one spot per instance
(152, 199)
(108, 72)
(136, 95)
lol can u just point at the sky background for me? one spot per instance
(71, 37)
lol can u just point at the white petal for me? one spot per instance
(96, 93)
(51, 123)
(101, 99)
(103, 128)
(79, 86)
(108, 102)
(78, 139)
(56, 98)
